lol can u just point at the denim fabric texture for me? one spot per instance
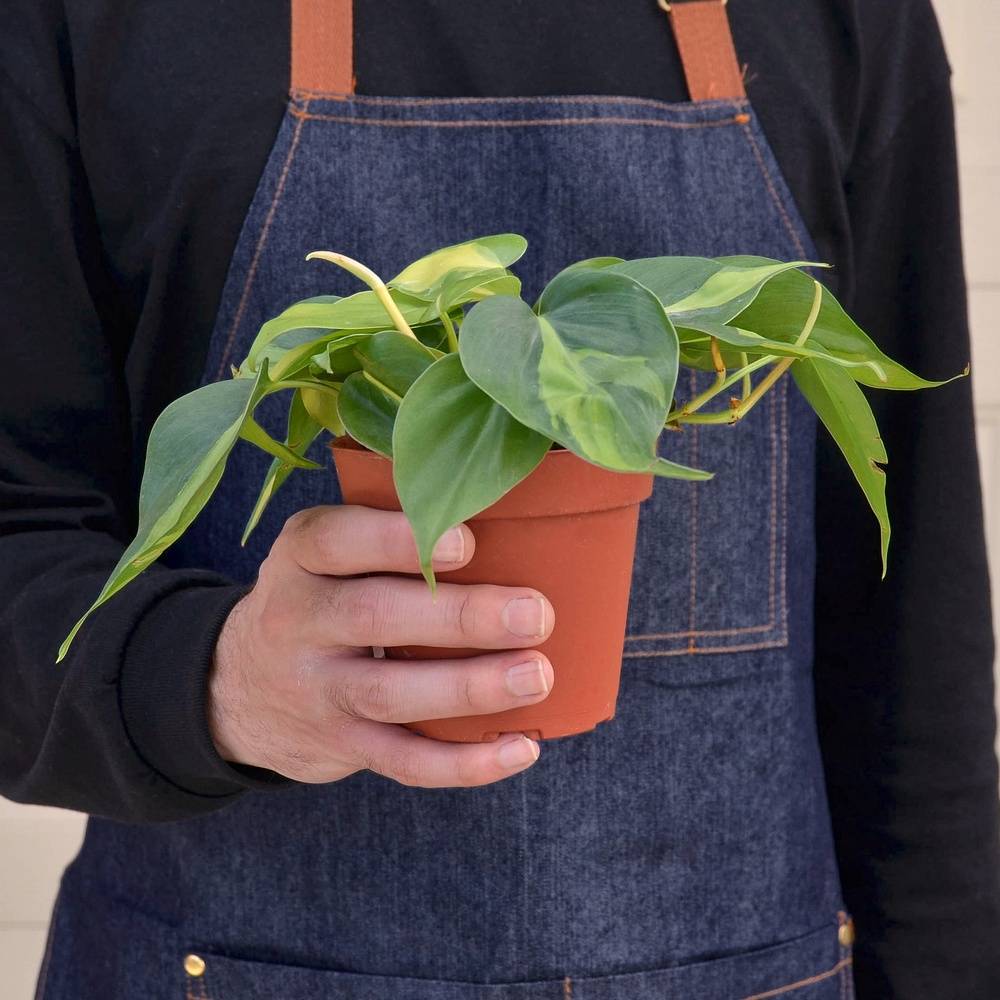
(682, 849)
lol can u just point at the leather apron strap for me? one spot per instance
(705, 43)
(323, 47)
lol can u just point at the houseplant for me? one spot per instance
(466, 388)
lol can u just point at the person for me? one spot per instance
(797, 744)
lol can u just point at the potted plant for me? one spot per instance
(453, 399)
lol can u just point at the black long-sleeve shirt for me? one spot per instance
(131, 140)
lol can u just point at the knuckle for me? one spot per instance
(375, 697)
(399, 765)
(364, 611)
(276, 621)
(463, 615)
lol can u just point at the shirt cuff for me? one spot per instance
(163, 691)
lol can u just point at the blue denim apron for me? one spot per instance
(682, 850)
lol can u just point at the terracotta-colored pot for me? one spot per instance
(567, 530)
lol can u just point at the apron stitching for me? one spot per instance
(693, 459)
(510, 123)
(309, 95)
(567, 988)
(784, 507)
(258, 250)
(703, 633)
(772, 559)
(802, 983)
(708, 650)
(768, 180)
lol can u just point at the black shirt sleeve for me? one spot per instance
(904, 667)
(78, 734)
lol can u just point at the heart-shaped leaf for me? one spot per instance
(185, 458)
(368, 413)
(422, 278)
(593, 369)
(714, 290)
(359, 312)
(455, 453)
(394, 359)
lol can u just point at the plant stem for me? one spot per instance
(449, 328)
(372, 280)
(688, 409)
(380, 385)
(740, 408)
(747, 384)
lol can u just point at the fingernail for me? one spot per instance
(518, 752)
(525, 616)
(527, 678)
(450, 547)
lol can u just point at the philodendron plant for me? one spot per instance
(446, 370)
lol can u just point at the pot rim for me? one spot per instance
(562, 483)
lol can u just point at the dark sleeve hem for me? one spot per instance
(163, 689)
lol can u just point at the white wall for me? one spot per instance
(36, 843)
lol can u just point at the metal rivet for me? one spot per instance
(845, 934)
(194, 965)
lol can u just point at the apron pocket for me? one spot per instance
(813, 967)
(711, 559)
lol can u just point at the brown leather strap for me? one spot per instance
(705, 42)
(323, 46)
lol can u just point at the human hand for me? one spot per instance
(295, 687)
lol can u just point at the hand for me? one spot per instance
(295, 687)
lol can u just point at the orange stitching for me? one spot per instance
(773, 190)
(692, 612)
(784, 505)
(567, 989)
(749, 629)
(528, 99)
(706, 633)
(709, 650)
(811, 981)
(258, 250)
(502, 123)
(774, 508)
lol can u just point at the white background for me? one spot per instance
(35, 843)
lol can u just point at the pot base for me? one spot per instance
(464, 730)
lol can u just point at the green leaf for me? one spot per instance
(713, 290)
(594, 369)
(456, 452)
(252, 431)
(458, 287)
(394, 359)
(780, 309)
(322, 406)
(696, 350)
(845, 413)
(313, 353)
(359, 312)
(423, 276)
(185, 458)
(368, 413)
(302, 431)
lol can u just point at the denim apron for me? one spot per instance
(682, 850)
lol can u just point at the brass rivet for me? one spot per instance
(845, 934)
(194, 965)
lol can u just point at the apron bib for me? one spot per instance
(682, 850)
